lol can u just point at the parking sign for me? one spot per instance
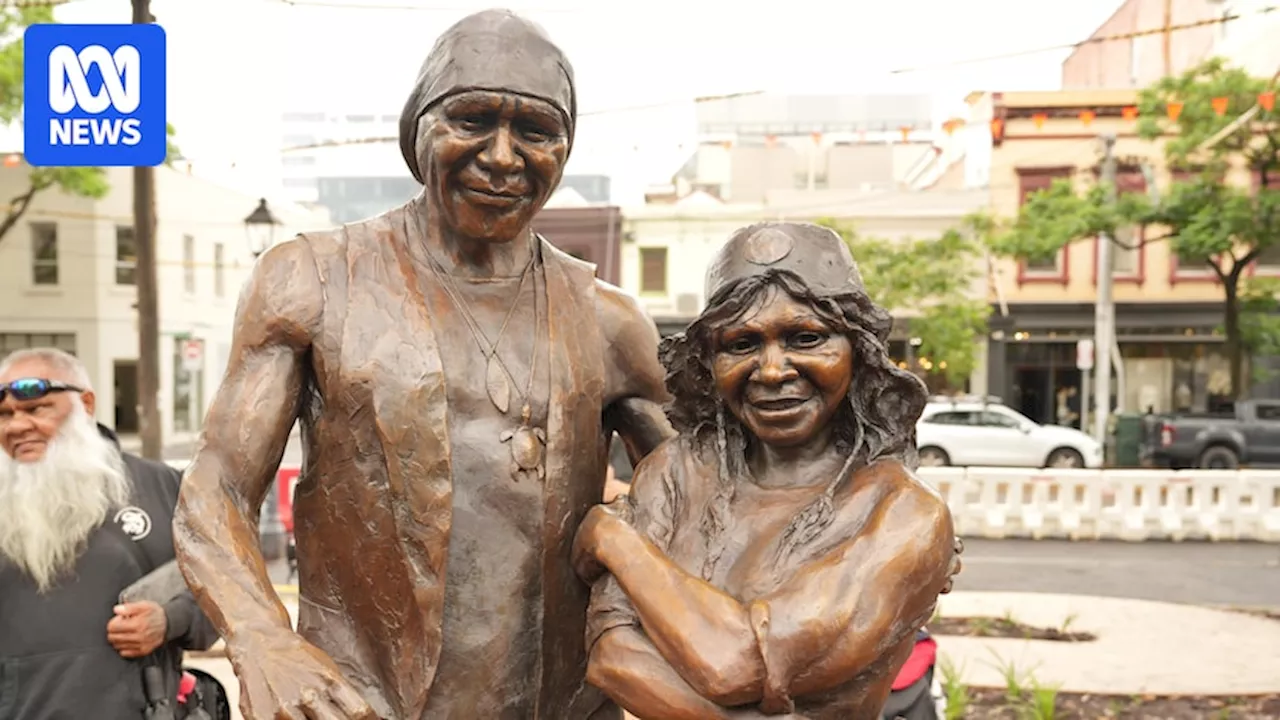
(94, 95)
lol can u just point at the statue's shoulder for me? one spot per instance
(334, 244)
(575, 266)
(891, 480)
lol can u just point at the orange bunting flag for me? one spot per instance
(997, 127)
(906, 132)
(1173, 110)
(12, 160)
(949, 127)
(1267, 100)
(1087, 116)
(1039, 119)
(1129, 113)
(817, 137)
(1220, 105)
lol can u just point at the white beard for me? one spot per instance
(48, 508)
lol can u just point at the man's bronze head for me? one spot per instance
(489, 124)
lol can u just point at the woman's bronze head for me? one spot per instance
(789, 322)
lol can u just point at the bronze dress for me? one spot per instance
(670, 496)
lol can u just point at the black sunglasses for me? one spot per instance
(34, 388)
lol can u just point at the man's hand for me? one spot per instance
(956, 565)
(600, 521)
(283, 676)
(137, 629)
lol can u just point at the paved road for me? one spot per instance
(1235, 574)
(1242, 575)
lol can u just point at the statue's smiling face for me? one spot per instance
(782, 370)
(492, 159)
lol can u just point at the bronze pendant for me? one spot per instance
(528, 444)
(495, 382)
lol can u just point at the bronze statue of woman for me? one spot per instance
(777, 557)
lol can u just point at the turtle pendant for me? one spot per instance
(527, 444)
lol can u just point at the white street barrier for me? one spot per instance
(1111, 504)
(1132, 505)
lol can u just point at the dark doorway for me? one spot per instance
(1050, 396)
(125, 381)
(1033, 393)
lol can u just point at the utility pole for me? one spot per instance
(1104, 317)
(144, 234)
(1168, 38)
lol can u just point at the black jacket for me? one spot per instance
(55, 661)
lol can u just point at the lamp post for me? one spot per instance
(260, 231)
(260, 228)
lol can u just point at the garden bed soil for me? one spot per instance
(987, 704)
(1002, 628)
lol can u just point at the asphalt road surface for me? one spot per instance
(1238, 575)
(1229, 574)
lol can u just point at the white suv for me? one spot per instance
(974, 432)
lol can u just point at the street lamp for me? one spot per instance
(260, 228)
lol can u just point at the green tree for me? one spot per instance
(83, 182)
(935, 277)
(1206, 221)
(79, 181)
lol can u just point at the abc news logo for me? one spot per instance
(69, 90)
(95, 95)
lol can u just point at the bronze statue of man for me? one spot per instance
(457, 380)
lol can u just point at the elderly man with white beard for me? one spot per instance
(79, 522)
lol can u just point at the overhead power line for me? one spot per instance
(1226, 18)
(409, 6)
(589, 113)
(24, 4)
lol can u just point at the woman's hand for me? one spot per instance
(601, 521)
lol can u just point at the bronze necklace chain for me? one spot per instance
(527, 442)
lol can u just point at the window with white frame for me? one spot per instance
(219, 278)
(189, 264)
(44, 253)
(126, 256)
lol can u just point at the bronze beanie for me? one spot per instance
(489, 50)
(815, 254)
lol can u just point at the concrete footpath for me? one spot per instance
(1142, 647)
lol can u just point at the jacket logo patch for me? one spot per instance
(134, 521)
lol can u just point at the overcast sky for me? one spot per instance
(235, 65)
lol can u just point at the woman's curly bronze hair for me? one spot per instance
(878, 421)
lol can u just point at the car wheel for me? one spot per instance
(934, 457)
(1219, 458)
(1065, 458)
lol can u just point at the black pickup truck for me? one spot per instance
(1248, 434)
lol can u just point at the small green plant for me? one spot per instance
(983, 627)
(1013, 688)
(954, 689)
(1041, 703)
(1066, 623)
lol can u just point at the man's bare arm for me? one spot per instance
(636, 380)
(216, 522)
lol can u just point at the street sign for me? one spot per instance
(192, 355)
(1084, 354)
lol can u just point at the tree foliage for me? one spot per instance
(931, 276)
(84, 182)
(87, 182)
(1205, 220)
